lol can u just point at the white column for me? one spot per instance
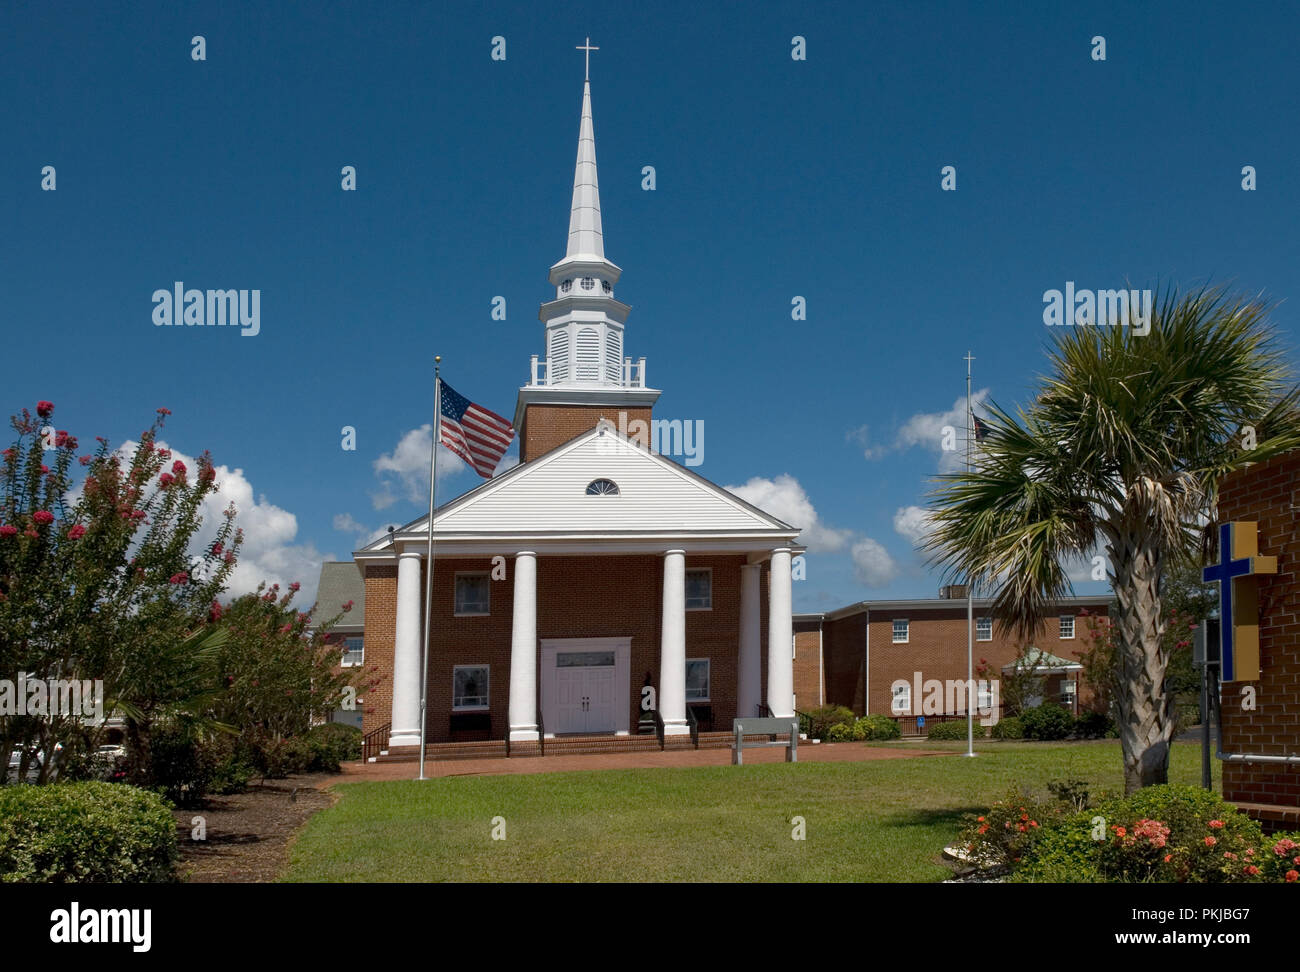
(749, 686)
(780, 631)
(672, 646)
(523, 649)
(407, 642)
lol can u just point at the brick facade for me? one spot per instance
(936, 647)
(577, 597)
(808, 689)
(1268, 493)
(546, 427)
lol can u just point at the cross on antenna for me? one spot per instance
(588, 48)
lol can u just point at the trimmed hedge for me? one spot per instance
(104, 833)
(953, 730)
(1009, 728)
(819, 722)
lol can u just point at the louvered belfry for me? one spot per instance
(583, 376)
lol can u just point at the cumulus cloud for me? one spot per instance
(362, 534)
(269, 552)
(786, 500)
(926, 429)
(404, 472)
(914, 523)
(872, 564)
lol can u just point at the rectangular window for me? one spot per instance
(985, 700)
(900, 631)
(1067, 693)
(1067, 625)
(469, 687)
(584, 659)
(699, 590)
(697, 680)
(354, 652)
(983, 629)
(472, 596)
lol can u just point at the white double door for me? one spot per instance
(585, 685)
(584, 698)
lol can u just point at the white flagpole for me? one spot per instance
(428, 575)
(970, 589)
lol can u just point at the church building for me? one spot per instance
(596, 573)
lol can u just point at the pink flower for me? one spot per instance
(1216, 824)
(1210, 841)
(164, 453)
(178, 468)
(1284, 847)
(181, 578)
(29, 532)
(287, 628)
(295, 586)
(1292, 877)
(77, 532)
(43, 409)
(164, 411)
(166, 479)
(8, 531)
(216, 549)
(214, 612)
(1250, 869)
(84, 460)
(43, 517)
(348, 606)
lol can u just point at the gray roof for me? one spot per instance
(340, 583)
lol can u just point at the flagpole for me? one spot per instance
(428, 575)
(970, 590)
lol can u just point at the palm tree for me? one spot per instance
(1124, 445)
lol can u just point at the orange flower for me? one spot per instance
(1210, 841)
(1292, 877)
(1216, 824)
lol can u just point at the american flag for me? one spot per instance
(478, 436)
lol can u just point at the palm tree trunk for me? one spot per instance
(1144, 709)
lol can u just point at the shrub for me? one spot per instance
(1008, 832)
(879, 727)
(1009, 728)
(332, 744)
(953, 730)
(1046, 721)
(821, 720)
(1094, 725)
(1166, 833)
(839, 732)
(85, 832)
(180, 771)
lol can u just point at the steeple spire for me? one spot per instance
(585, 237)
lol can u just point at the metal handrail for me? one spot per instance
(372, 743)
(694, 725)
(659, 726)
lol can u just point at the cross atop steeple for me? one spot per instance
(588, 48)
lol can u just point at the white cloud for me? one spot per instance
(872, 563)
(362, 534)
(786, 500)
(914, 523)
(926, 429)
(268, 552)
(404, 472)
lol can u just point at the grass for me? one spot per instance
(886, 820)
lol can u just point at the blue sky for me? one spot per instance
(775, 178)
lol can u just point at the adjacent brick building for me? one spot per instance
(1267, 494)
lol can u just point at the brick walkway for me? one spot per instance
(808, 753)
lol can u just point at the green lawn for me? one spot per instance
(877, 821)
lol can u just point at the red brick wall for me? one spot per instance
(577, 597)
(381, 620)
(1268, 494)
(807, 665)
(549, 426)
(936, 648)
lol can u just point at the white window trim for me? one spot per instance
(978, 636)
(701, 570)
(1073, 627)
(471, 614)
(344, 663)
(708, 697)
(471, 708)
(894, 633)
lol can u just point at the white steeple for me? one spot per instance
(584, 362)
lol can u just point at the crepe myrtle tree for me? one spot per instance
(278, 672)
(1124, 444)
(98, 581)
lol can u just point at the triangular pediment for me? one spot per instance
(548, 496)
